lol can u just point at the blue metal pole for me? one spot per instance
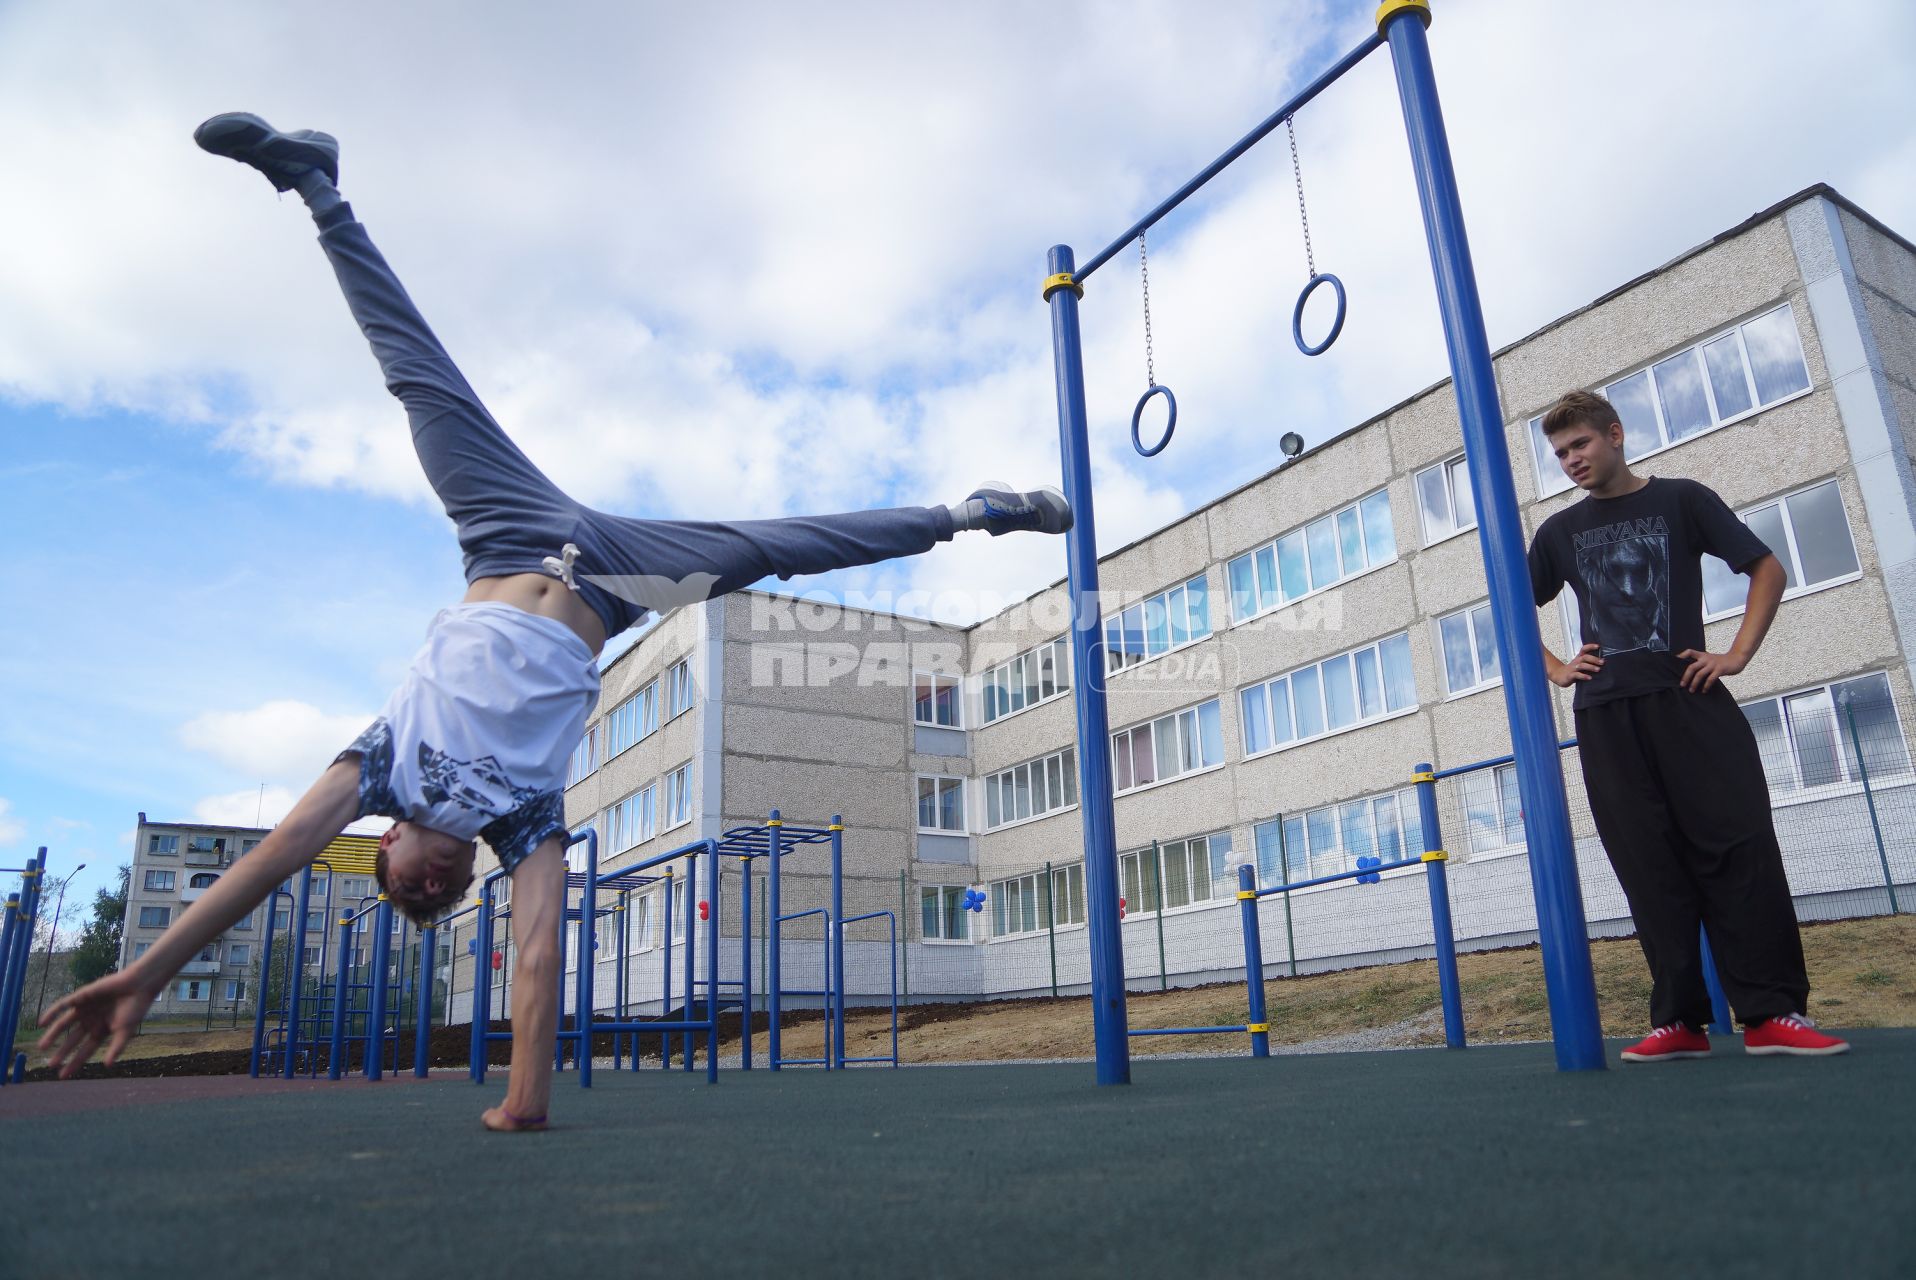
(665, 998)
(1553, 866)
(1721, 1023)
(1087, 656)
(481, 985)
(422, 1002)
(382, 919)
(337, 1066)
(745, 963)
(13, 957)
(296, 977)
(691, 950)
(1258, 1023)
(773, 911)
(588, 953)
(836, 1027)
(712, 963)
(1443, 935)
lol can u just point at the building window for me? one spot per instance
(235, 990)
(1807, 741)
(1187, 870)
(1493, 811)
(315, 920)
(1168, 747)
(309, 956)
(942, 914)
(1032, 789)
(935, 701)
(352, 887)
(632, 820)
(247, 846)
(139, 949)
(1015, 907)
(1339, 693)
(1748, 367)
(193, 989)
(203, 880)
(1160, 624)
(159, 881)
(282, 917)
(1329, 840)
(1067, 893)
(585, 756)
(632, 720)
(1809, 533)
(1445, 503)
(1038, 676)
(206, 844)
(163, 846)
(155, 917)
(239, 952)
(244, 924)
(679, 689)
(1468, 640)
(678, 795)
(941, 804)
(1320, 555)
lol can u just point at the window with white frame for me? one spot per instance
(1168, 747)
(239, 953)
(1747, 367)
(1187, 871)
(632, 720)
(1493, 811)
(632, 820)
(310, 956)
(1445, 504)
(159, 881)
(282, 916)
(1330, 839)
(638, 922)
(315, 920)
(235, 990)
(1015, 906)
(678, 795)
(206, 844)
(941, 804)
(1067, 893)
(1808, 531)
(139, 949)
(193, 989)
(352, 888)
(250, 844)
(155, 917)
(1037, 676)
(936, 700)
(163, 846)
(678, 689)
(204, 880)
(1320, 555)
(941, 913)
(1811, 738)
(1467, 640)
(585, 756)
(1166, 621)
(1342, 692)
(577, 855)
(1032, 789)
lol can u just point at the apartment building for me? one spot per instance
(1278, 659)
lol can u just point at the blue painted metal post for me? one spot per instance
(712, 963)
(665, 997)
(296, 973)
(481, 986)
(1572, 988)
(422, 1002)
(265, 985)
(745, 963)
(15, 954)
(1443, 934)
(773, 982)
(691, 950)
(835, 1026)
(1109, 1025)
(588, 953)
(1721, 1023)
(337, 1065)
(382, 919)
(1253, 963)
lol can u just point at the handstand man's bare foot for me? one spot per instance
(500, 1120)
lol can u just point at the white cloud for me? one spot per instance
(11, 828)
(250, 808)
(283, 741)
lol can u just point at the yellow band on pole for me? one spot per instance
(1391, 8)
(836, 826)
(1062, 280)
(1258, 1028)
(775, 822)
(1242, 894)
(382, 897)
(344, 920)
(1436, 855)
(745, 857)
(1425, 776)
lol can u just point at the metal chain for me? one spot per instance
(1304, 218)
(1144, 273)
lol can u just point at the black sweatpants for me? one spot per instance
(1677, 789)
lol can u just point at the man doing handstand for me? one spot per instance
(476, 739)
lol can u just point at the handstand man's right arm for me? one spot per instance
(110, 1010)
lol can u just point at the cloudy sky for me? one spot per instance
(745, 260)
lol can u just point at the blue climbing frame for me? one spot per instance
(1401, 24)
(16, 947)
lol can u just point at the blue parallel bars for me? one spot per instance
(16, 948)
(1566, 954)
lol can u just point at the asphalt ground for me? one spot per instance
(1485, 1162)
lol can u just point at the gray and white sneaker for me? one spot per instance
(998, 508)
(284, 158)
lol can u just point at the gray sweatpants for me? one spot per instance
(510, 517)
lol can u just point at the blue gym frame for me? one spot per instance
(1401, 24)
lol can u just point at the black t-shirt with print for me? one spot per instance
(1635, 563)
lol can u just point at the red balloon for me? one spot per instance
(1120, 908)
(498, 959)
(705, 911)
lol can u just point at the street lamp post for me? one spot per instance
(52, 935)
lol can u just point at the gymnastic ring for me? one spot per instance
(1297, 315)
(1170, 425)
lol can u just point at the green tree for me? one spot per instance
(99, 950)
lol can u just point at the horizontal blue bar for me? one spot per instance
(1176, 1031)
(1249, 140)
(598, 1026)
(883, 1057)
(1565, 745)
(805, 1062)
(1342, 875)
(800, 915)
(869, 915)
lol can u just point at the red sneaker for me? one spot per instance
(1792, 1034)
(1666, 1044)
